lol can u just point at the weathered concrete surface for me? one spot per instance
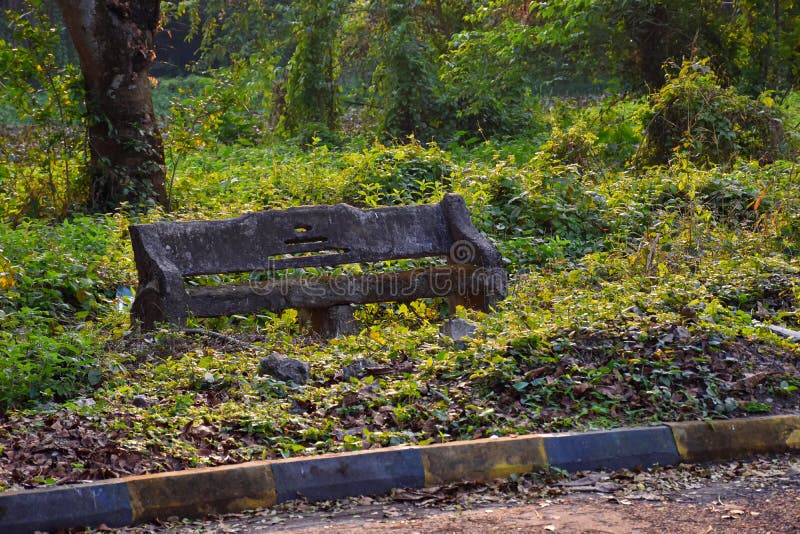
(700, 441)
(482, 460)
(313, 236)
(203, 491)
(331, 322)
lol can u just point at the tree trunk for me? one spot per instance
(114, 40)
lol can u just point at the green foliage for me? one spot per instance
(575, 146)
(541, 211)
(233, 29)
(615, 123)
(406, 83)
(491, 58)
(58, 280)
(754, 43)
(235, 106)
(311, 84)
(636, 296)
(759, 41)
(43, 366)
(41, 154)
(694, 115)
(493, 96)
(400, 174)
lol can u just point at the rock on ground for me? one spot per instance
(284, 368)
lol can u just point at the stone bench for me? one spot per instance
(313, 236)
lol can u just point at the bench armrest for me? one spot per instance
(488, 285)
(475, 249)
(161, 295)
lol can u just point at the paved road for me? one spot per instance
(762, 496)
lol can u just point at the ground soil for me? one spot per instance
(759, 496)
(771, 512)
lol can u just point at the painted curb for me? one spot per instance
(219, 490)
(200, 492)
(334, 476)
(702, 441)
(54, 508)
(483, 459)
(612, 449)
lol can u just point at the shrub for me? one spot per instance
(52, 276)
(694, 114)
(404, 174)
(42, 153)
(406, 81)
(42, 367)
(576, 145)
(494, 96)
(541, 211)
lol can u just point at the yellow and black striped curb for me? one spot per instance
(219, 490)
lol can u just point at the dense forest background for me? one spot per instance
(437, 70)
(634, 161)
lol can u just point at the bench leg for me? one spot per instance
(150, 307)
(473, 302)
(330, 322)
(482, 291)
(147, 309)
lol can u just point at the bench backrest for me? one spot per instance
(314, 236)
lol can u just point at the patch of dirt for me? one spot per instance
(761, 495)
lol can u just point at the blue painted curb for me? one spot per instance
(612, 449)
(53, 508)
(335, 477)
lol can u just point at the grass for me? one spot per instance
(637, 296)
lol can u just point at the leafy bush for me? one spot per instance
(406, 78)
(42, 153)
(695, 115)
(311, 84)
(65, 268)
(615, 122)
(401, 174)
(230, 105)
(57, 279)
(492, 96)
(43, 366)
(577, 145)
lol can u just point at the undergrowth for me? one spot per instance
(636, 297)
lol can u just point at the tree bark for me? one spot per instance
(114, 40)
